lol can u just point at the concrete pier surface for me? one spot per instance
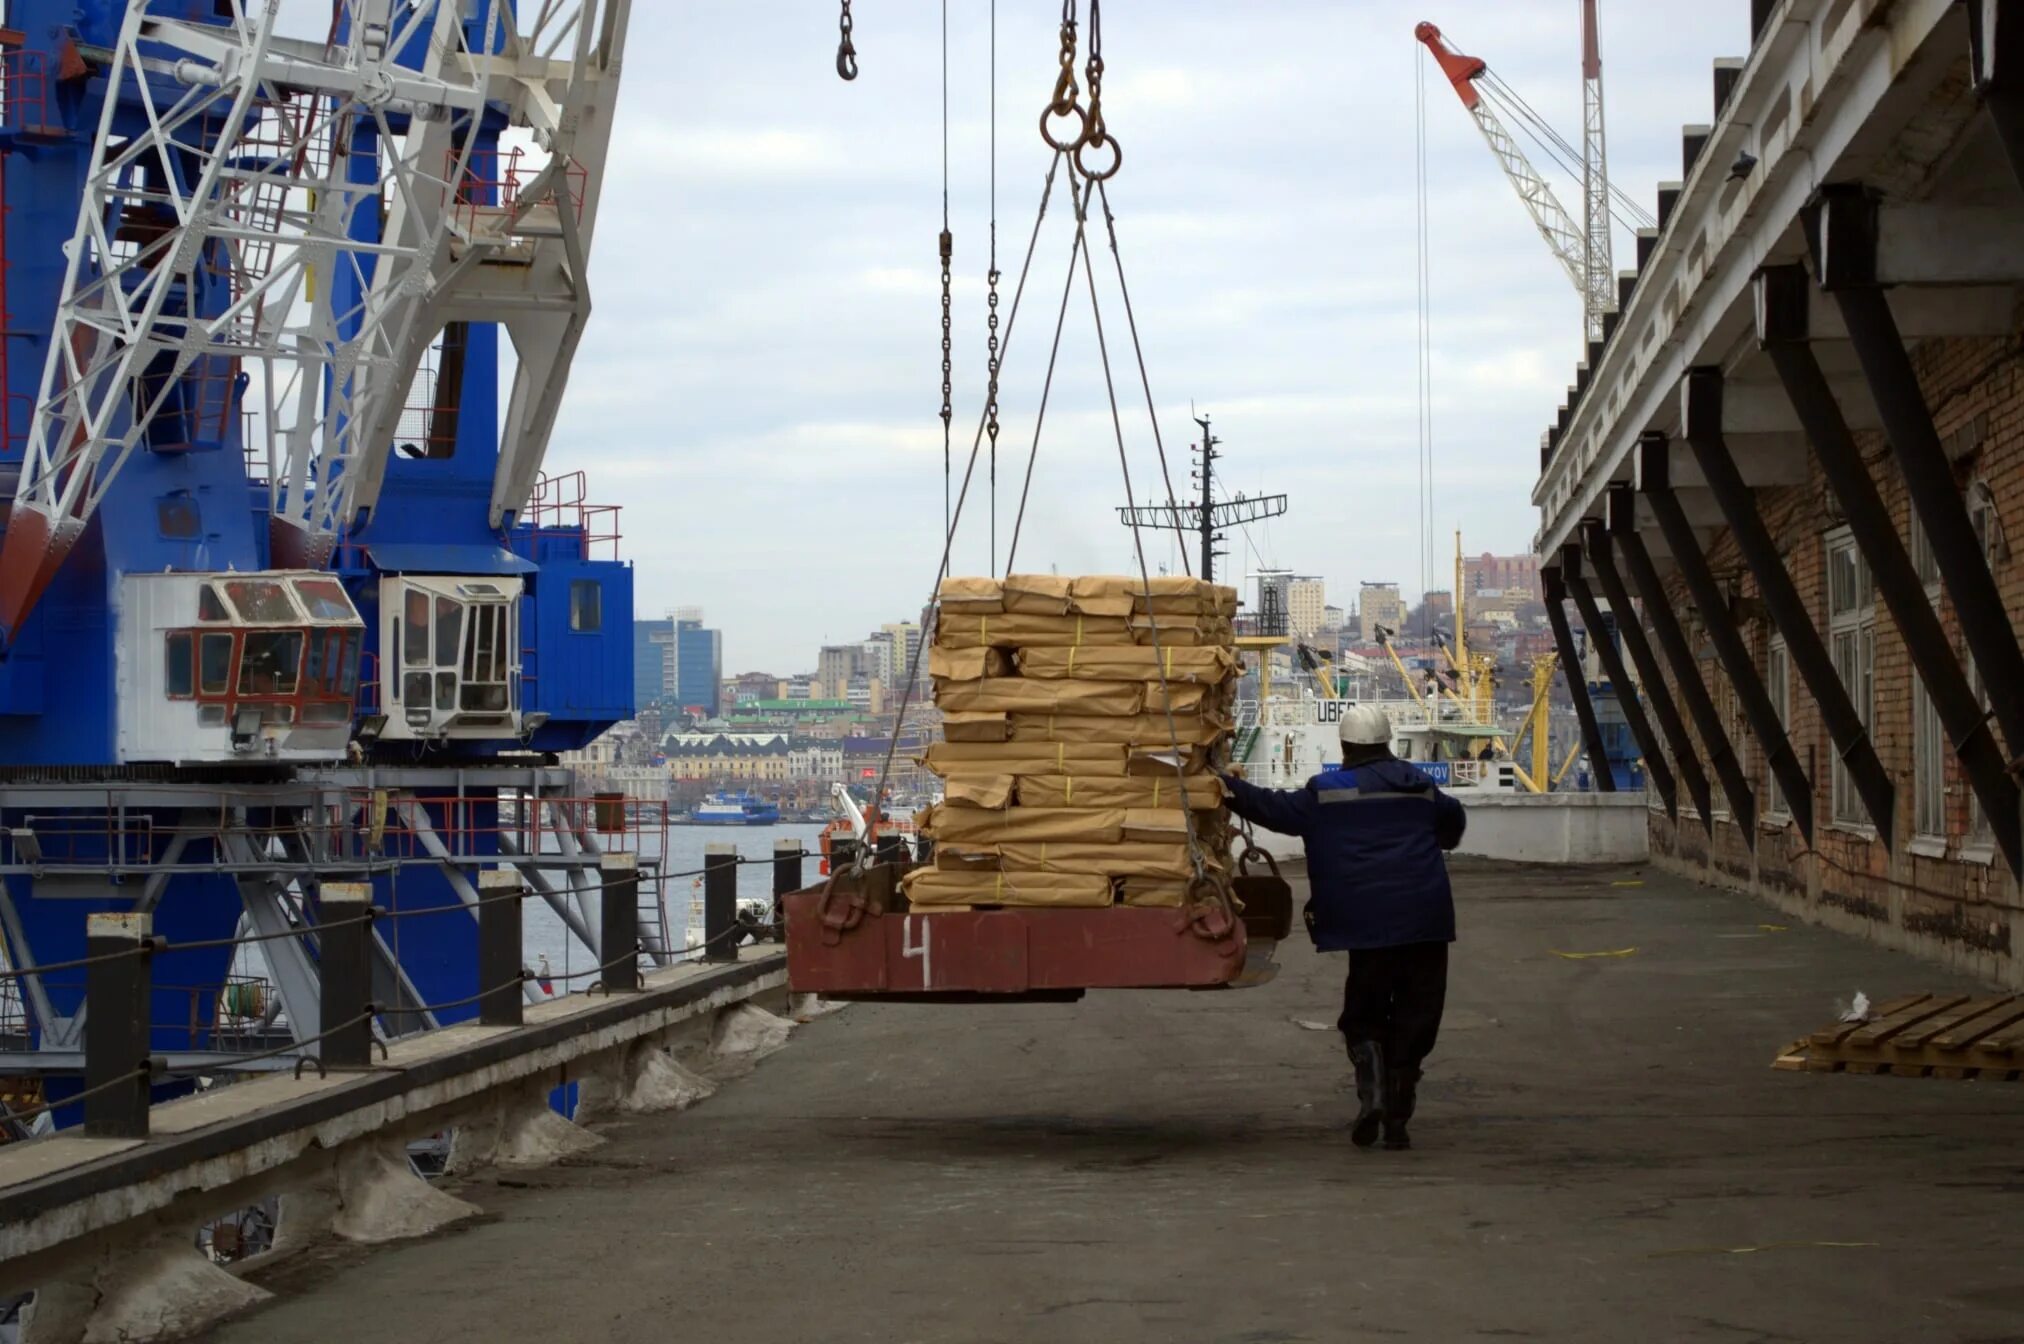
(1603, 1153)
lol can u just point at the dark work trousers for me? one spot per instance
(1394, 996)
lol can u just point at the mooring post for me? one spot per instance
(344, 960)
(117, 1074)
(787, 856)
(620, 927)
(501, 962)
(720, 902)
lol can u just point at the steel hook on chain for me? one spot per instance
(846, 50)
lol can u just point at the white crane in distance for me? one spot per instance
(1583, 249)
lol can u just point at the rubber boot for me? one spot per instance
(1368, 1057)
(1403, 1086)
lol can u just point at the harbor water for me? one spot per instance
(547, 936)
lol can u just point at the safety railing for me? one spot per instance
(24, 89)
(560, 506)
(494, 190)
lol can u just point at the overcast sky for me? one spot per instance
(760, 385)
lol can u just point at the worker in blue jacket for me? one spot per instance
(1375, 829)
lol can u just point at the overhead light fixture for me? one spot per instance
(371, 726)
(246, 722)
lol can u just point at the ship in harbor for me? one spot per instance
(735, 809)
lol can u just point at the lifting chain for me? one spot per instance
(1066, 101)
(948, 252)
(991, 356)
(1095, 135)
(846, 50)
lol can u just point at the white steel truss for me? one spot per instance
(241, 175)
(234, 180)
(1598, 284)
(517, 249)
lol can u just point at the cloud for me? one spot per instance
(760, 386)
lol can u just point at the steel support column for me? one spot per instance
(1721, 624)
(117, 1071)
(1651, 678)
(1843, 236)
(1665, 623)
(1577, 682)
(1782, 295)
(1996, 65)
(1701, 421)
(1656, 770)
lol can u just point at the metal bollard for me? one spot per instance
(344, 959)
(842, 852)
(501, 959)
(720, 902)
(787, 856)
(118, 1027)
(620, 953)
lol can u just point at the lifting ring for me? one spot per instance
(1082, 127)
(1116, 162)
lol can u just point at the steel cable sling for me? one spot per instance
(1214, 917)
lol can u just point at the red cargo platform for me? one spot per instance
(865, 944)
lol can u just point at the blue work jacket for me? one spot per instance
(1374, 836)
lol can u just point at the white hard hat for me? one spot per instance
(1366, 726)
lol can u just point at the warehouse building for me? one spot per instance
(1799, 452)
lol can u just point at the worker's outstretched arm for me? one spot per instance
(1450, 820)
(1288, 811)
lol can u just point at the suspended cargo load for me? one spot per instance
(1079, 811)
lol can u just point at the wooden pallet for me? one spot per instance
(1921, 1036)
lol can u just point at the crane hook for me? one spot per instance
(846, 50)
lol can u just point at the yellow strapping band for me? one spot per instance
(1157, 781)
(1078, 631)
(983, 629)
(1067, 789)
(1071, 660)
(1061, 756)
(998, 885)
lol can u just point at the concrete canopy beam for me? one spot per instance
(1701, 397)
(1720, 623)
(1859, 240)
(1922, 312)
(1657, 769)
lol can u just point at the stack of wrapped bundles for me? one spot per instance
(1080, 717)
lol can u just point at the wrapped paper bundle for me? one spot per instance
(979, 825)
(1170, 632)
(1076, 741)
(1165, 893)
(1185, 698)
(1126, 858)
(1024, 758)
(1163, 825)
(978, 792)
(1198, 792)
(1154, 730)
(1209, 666)
(966, 630)
(967, 664)
(972, 595)
(1030, 695)
(976, 725)
(1036, 594)
(928, 889)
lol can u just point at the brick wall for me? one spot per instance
(1963, 905)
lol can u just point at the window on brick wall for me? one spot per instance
(1989, 534)
(1851, 624)
(1929, 739)
(1778, 683)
